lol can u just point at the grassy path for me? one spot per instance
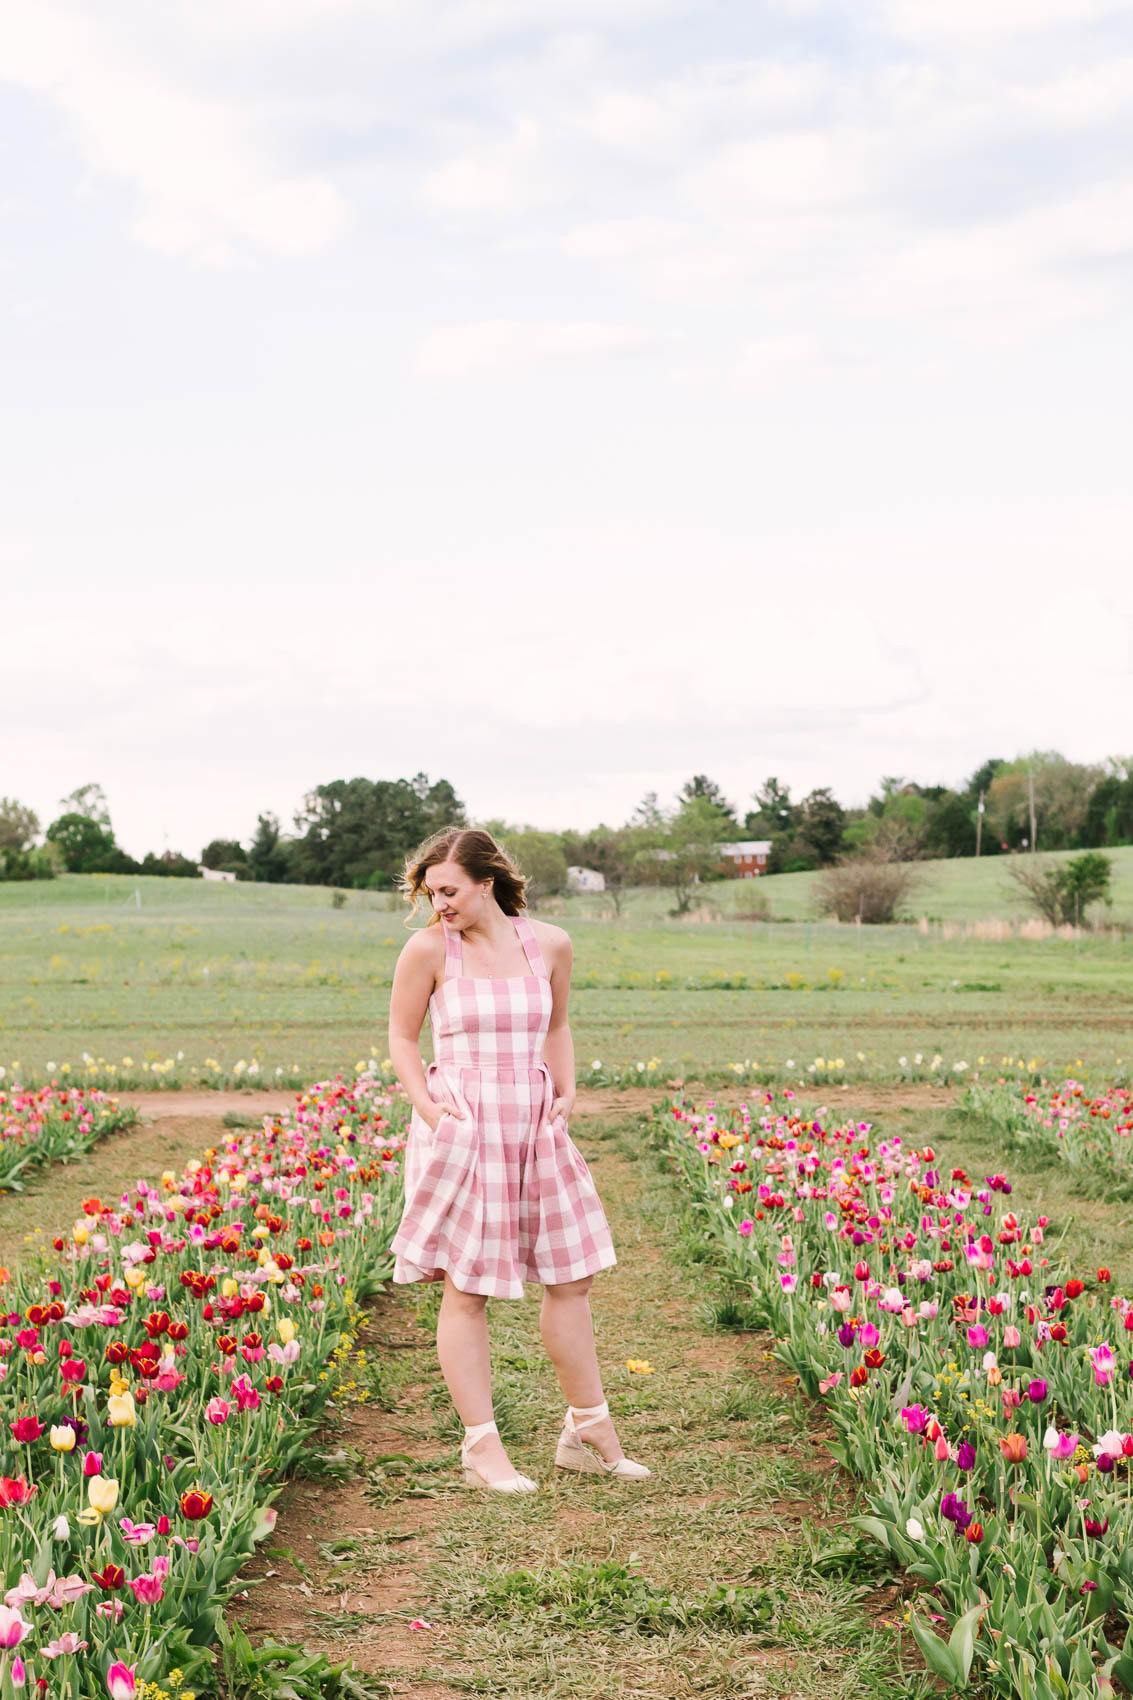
(592, 1588)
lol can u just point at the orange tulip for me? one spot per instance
(1013, 1448)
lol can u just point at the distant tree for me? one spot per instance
(681, 847)
(19, 825)
(351, 828)
(1062, 792)
(88, 800)
(705, 789)
(540, 857)
(1109, 813)
(37, 863)
(611, 852)
(226, 853)
(774, 813)
(821, 820)
(981, 779)
(170, 864)
(269, 858)
(87, 847)
(951, 829)
(1061, 892)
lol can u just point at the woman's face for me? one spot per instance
(457, 899)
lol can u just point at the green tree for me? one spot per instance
(701, 788)
(774, 813)
(1062, 891)
(88, 800)
(821, 821)
(351, 829)
(19, 825)
(540, 857)
(951, 829)
(225, 853)
(611, 852)
(269, 858)
(87, 847)
(677, 849)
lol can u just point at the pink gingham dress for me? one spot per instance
(503, 1196)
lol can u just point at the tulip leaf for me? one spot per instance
(875, 1527)
(962, 1641)
(939, 1656)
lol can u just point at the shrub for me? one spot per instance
(870, 888)
(1061, 892)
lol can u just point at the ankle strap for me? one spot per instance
(472, 1435)
(591, 1413)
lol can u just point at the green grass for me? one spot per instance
(275, 975)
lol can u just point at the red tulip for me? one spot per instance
(195, 1504)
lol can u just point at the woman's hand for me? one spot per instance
(562, 1106)
(439, 1107)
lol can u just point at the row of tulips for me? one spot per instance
(983, 1394)
(49, 1124)
(1088, 1130)
(161, 1371)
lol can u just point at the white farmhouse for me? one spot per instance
(585, 879)
(216, 873)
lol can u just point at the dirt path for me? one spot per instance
(592, 1589)
(591, 1101)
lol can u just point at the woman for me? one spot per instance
(496, 1192)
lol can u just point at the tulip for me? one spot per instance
(218, 1411)
(26, 1429)
(120, 1681)
(147, 1590)
(1013, 1448)
(941, 1451)
(974, 1533)
(1012, 1337)
(196, 1504)
(965, 1455)
(915, 1418)
(914, 1529)
(121, 1410)
(1036, 1392)
(110, 1578)
(102, 1491)
(12, 1627)
(62, 1437)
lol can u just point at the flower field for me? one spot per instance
(1090, 1131)
(161, 1373)
(983, 1393)
(50, 1124)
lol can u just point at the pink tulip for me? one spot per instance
(147, 1590)
(64, 1645)
(1012, 1337)
(218, 1411)
(19, 1672)
(120, 1681)
(12, 1627)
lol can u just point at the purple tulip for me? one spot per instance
(847, 1334)
(1036, 1392)
(965, 1455)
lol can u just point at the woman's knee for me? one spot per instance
(463, 1304)
(570, 1289)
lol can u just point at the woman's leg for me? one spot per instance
(568, 1334)
(465, 1359)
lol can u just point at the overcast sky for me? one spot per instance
(559, 396)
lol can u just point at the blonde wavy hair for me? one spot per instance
(481, 858)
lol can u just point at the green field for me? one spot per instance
(279, 978)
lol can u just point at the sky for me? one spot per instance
(561, 397)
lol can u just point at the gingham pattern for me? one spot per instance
(503, 1196)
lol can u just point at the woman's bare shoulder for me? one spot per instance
(553, 941)
(424, 948)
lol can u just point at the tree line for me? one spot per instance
(357, 832)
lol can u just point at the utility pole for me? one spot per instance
(979, 822)
(1031, 790)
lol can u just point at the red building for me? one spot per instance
(748, 859)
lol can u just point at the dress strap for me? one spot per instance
(531, 946)
(454, 953)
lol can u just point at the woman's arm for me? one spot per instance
(413, 981)
(559, 1048)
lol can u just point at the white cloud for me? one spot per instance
(209, 180)
(508, 344)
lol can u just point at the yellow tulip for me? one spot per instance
(102, 1491)
(285, 1328)
(80, 1233)
(136, 1277)
(228, 1287)
(121, 1411)
(62, 1437)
